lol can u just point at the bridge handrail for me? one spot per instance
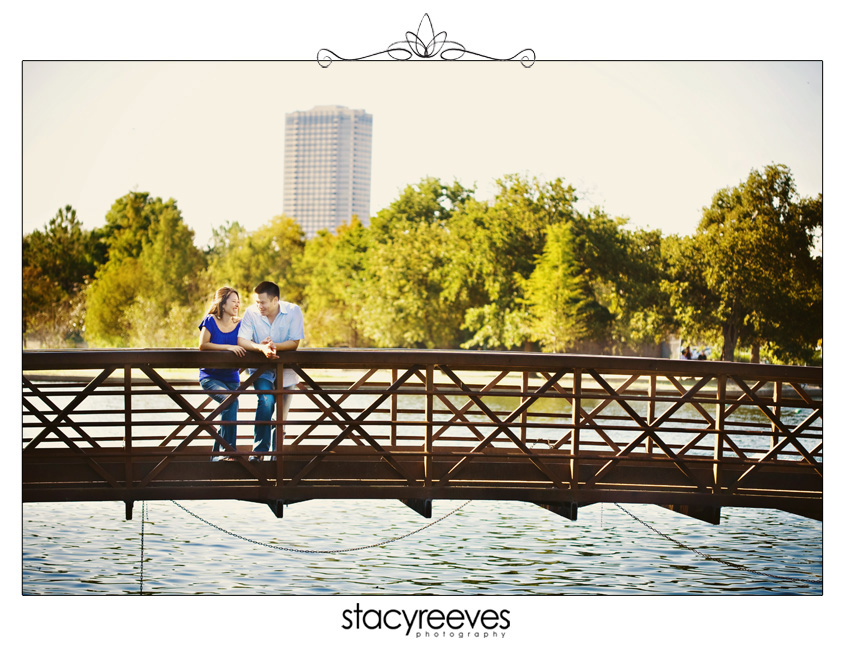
(70, 359)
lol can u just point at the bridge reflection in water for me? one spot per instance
(561, 431)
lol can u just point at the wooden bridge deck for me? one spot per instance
(560, 431)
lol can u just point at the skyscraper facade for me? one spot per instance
(327, 167)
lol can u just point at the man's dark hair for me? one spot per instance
(267, 288)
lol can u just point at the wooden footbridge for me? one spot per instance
(560, 431)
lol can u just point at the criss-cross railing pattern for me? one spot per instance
(420, 425)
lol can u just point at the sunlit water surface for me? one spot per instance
(495, 548)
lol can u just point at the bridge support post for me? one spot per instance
(422, 506)
(129, 507)
(709, 514)
(777, 414)
(649, 442)
(810, 513)
(574, 468)
(127, 433)
(277, 505)
(720, 421)
(429, 432)
(567, 509)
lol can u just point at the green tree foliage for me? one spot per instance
(641, 304)
(57, 263)
(170, 259)
(146, 294)
(497, 247)
(110, 296)
(613, 273)
(430, 202)
(403, 301)
(333, 271)
(128, 224)
(272, 252)
(406, 269)
(751, 273)
(439, 268)
(561, 310)
(692, 306)
(622, 269)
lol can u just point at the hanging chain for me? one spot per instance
(143, 520)
(418, 530)
(284, 548)
(713, 559)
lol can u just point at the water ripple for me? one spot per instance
(486, 548)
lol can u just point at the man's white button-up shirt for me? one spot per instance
(288, 325)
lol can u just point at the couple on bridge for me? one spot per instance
(268, 326)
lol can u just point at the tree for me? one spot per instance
(561, 311)
(128, 224)
(406, 268)
(404, 304)
(792, 328)
(272, 252)
(170, 259)
(616, 272)
(333, 272)
(57, 262)
(430, 201)
(622, 269)
(692, 306)
(496, 249)
(109, 297)
(150, 291)
(643, 304)
(44, 308)
(759, 276)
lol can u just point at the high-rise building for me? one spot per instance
(327, 167)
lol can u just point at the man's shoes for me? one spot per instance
(254, 459)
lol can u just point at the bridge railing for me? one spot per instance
(424, 424)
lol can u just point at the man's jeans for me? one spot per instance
(227, 431)
(265, 435)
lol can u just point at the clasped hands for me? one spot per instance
(268, 347)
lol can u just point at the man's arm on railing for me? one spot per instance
(245, 340)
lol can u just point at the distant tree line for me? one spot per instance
(440, 269)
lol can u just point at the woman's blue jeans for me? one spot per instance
(265, 433)
(227, 431)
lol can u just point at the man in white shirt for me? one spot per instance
(270, 326)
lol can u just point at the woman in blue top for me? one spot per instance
(218, 332)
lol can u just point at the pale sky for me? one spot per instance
(651, 141)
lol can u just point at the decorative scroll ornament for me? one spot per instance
(425, 44)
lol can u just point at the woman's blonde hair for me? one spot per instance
(220, 298)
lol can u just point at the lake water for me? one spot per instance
(496, 548)
(484, 548)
